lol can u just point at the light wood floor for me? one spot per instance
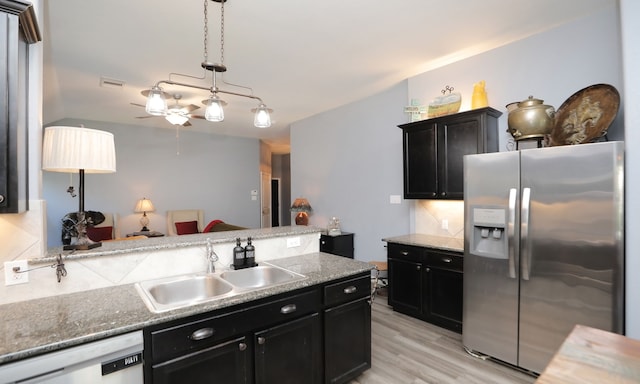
(409, 351)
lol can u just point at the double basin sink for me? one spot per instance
(181, 291)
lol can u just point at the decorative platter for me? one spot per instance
(586, 115)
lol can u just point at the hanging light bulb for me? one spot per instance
(262, 119)
(214, 110)
(156, 103)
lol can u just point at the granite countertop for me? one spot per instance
(438, 242)
(34, 327)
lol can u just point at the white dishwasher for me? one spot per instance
(116, 360)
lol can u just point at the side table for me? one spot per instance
(341, 245)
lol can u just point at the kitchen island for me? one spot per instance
(39, 326)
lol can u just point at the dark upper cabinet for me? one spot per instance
(17, 21)
(433, 150)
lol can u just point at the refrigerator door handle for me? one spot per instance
(511, 243)
(524, 234)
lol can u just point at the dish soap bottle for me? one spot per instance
(250, 253)
(238, 255)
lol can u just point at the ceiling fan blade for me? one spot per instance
(144, 117)
(197, 116)
(138, 105)
(186, 124)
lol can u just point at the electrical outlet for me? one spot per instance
(293, 242)
(11, 277)
(445, 224)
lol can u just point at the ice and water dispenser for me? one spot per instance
(488, 234)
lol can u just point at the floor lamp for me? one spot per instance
(79, 150)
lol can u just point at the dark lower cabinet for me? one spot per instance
(426, 283)
(223, 363)
(347, 329)
(405, 292)
(312, 335)
(284, 354)
(443, 302)
(347, 341)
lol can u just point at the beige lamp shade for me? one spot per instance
(70, 149)
(144, 205)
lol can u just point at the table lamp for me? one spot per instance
(143, 206)
(79, 150)
(302, 206)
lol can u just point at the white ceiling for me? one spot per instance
(301, 57)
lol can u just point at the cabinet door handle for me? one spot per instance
(427, 269)
(242, 346)
(417, 267)
(405, 253)
(323, 243)
(1, 198)
(350, 289)
(201, 334)
(446, 259)
(261, 340)
(289, 308)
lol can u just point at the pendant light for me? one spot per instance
(214, 111)
(262, 118)
(156, 101)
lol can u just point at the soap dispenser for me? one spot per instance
(250, 253)
(238, 255)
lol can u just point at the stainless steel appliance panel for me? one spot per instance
(571, 247)
(490, 309)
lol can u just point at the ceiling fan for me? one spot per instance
(177, 114)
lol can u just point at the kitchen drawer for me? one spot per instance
(175, 341)
(405, 252)
(348, 290)
(445, 260)
(294, 306)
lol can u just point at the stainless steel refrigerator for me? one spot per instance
(543, 249)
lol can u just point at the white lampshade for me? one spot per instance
(262, 118)
(156, 102)
(69, 149)
(176, 118)
(214, 111)
(144, 205)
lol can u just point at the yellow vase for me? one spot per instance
(479, 96)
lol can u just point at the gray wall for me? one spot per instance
(212, 172)
(347, 162)
(630, 14)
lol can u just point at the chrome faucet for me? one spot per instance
(212, 257)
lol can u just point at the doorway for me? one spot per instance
(275, 202)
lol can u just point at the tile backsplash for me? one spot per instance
(432, 216)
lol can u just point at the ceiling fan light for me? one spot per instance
(214, 111)
(156, 103)
(176, 118)
(262, 119)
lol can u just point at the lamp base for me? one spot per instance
(302, 218)
(82, 247)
